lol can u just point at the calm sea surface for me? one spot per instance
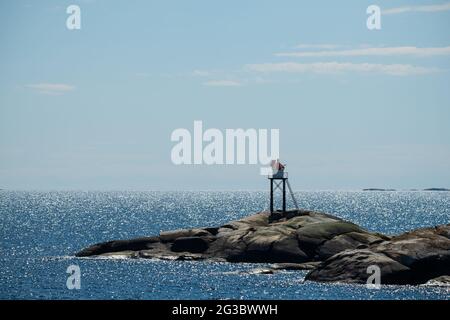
(41, 231)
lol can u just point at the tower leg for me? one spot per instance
(271, 195)
(284, 195)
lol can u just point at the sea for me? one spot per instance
(41, 232)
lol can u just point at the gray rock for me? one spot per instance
(313, 236)
(190, 244)
(425, 251)
(117, 246)
(351, 266)
(260, 271)
(351, 240)
(442, 281)
(295, 266)
(338, 250)
(411, 258)
(170, 236)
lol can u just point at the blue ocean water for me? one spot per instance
(40, 232)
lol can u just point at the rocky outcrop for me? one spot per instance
(296, 237)
(411, 258)
(335, 249)
(351, 266)
(442, 281)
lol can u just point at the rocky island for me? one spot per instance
(334, 250)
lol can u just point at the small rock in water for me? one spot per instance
(442, 281)
(261, 271)
(295, 266)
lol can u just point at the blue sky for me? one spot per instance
(93, 109)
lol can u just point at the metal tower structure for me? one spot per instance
(279, 181)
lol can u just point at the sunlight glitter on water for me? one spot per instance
(42, 230)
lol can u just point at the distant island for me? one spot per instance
(428, 189)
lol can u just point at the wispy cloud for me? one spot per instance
(337, 67)
(250, 73)
(222, 83)
(316, 46)
(378, 51)
(51, 88)
(422, 8)
(201, 73)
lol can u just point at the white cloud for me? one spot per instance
(316, 46)
(51, 88)
(337, 67)
(381, 51)
(201, 73)
(222, 83)
(422, 8)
